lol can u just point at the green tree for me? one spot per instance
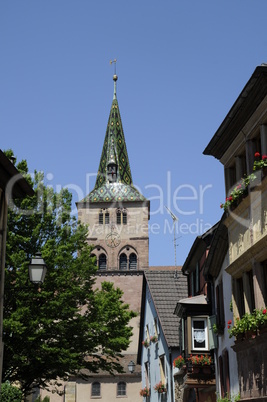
(10, 393)
(66, 326)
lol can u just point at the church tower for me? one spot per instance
(115, 211)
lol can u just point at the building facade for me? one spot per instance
(160, 338)
(240, 144)
(198, 339)
(226, 373)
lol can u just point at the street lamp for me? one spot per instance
(131, 366)
(37, 269)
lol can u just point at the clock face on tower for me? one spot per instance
(113, 239)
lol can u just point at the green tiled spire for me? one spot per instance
(114, 141)
(114, 153)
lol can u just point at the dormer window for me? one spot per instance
(112, 172)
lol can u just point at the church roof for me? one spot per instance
(114, 152)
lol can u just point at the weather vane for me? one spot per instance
(114, 61)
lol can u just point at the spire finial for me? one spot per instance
(115, 77)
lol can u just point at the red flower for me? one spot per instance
(229, 326)
(229, 322)
(221, 206)
(257, 155)
(264, 157)
(264, 311)
(230, 198)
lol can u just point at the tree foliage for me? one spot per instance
(66, 326)
(10, 393)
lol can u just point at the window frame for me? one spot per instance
(123, 255)
(205, 320)
(131, 262)
(92, 386)
(121, 217)
(125, 389)
(99, 261)
(162, 369)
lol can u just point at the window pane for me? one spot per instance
(124, 218)
(118, 217)
(123, 261)
(96, 389)
(106, 217)
(133, 261)
(100, 218)
(102, 261)
(121, 389)
(199, 334)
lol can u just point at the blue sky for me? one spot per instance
(181, 66)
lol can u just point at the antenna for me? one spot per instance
(174, 220)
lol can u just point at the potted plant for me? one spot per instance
(145, 392)
(249, 325)
(160, 388)
(238, 193)
(259, 162)
(202, 360)
(178, 362)
(146, 343)
(154, 338)
(200, 363)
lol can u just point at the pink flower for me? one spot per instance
(257, 155)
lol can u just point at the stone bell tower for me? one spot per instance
(115, 211)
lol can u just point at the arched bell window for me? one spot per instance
(102, 262)
(123, 262)
(132, 261)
